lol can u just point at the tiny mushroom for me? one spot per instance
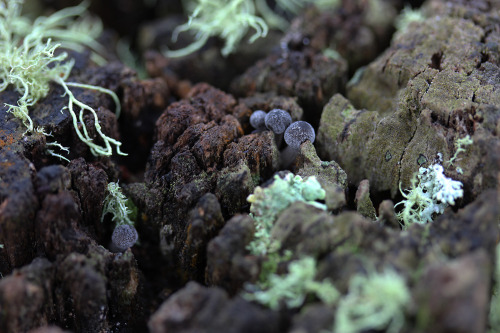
(257, 120)
(278, 120)
(123, 237)
(298, 132)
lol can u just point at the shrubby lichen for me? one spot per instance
(29, 63)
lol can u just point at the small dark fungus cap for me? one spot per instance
(298, 132)
(278, 120)
(258, 120)
(124, 236)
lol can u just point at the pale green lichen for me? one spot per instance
(292, 288)
(116, 204)
(267, 203)
(29, 63)
(231, 21)
(50, 146)
(460, 146)
(376, 301)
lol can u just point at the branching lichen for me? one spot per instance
(29, 63)
(231, 21)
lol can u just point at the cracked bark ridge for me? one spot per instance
(57, 226)
(200, 309)
(200, 149)
(72, 289)
(204, 222)
(89, 184)
(455, 295)
(228, 265)
(434, 85)
(142, 101)
(18, 203)
(356, 241)
(51, 211)
(26, 297)
(82, 289)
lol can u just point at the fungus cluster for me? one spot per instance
(279, 121)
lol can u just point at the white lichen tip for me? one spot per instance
(430, 193)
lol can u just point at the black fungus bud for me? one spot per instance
(258, 120)
(278, 120)
(124, 236)
(298, 132)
